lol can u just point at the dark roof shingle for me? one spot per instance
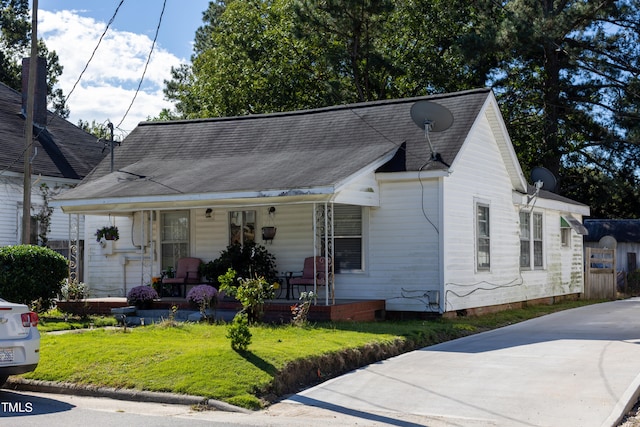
(63, 150)
(623, 230)
(301, 149)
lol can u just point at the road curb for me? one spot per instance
(119, 394)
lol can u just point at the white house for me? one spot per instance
(63, 155)
(434, 220)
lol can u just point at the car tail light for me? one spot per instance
(29, 319)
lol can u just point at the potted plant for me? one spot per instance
(109, 232)
(203, 297)
(142, 296)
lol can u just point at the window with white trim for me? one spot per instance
(347, 231)
(483, 237)
(525, 240)
(565, 233)
(242, 227)
(174, 237)
(531, 240)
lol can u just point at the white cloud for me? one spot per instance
(108, 85)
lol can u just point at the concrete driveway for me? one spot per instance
(579, 367)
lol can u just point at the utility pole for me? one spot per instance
(110, 126)
(28, 142)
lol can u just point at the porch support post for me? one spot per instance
(152, 246)
(323, 244)
(330, 255)
(74, 239)
(315, 250)
(143, 246)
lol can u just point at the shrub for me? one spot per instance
(73, 290)
(252, 293)
(250, 260)
(141, 295)
(633, 282)
(300, 311)
(31, 275)
(238, 332)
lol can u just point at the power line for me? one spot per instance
(164, 3)
(94, 51)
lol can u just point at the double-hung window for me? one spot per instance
(242, 227)
(174, 237)
(483, 237)
(565, 233)
(347, 230)
(531, 240)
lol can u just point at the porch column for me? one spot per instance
(323, 244)
(74, 238)
(146, 271)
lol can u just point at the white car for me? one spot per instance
(19, 340)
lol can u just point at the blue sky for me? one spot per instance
(73, 27)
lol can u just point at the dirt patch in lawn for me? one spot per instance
(301, 374)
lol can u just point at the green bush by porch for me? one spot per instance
(32, 275)
(250, 260)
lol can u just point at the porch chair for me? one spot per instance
(306, 279)
(187, 273)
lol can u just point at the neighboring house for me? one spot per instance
(63, 155)
(451, 230)
(623, 235)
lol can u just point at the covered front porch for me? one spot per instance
(276, 311)
(155, 236)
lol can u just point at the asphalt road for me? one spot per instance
(21, 409)
(578, 367)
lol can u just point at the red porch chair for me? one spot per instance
(187, 273)
(307, 278)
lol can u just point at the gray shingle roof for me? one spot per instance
(64, 150)
(281, 151)
(624, 230)
(531, 190)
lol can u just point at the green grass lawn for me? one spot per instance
(197, 359)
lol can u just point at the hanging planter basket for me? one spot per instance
(268, 233)
(107, 233)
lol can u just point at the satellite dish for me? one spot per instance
(431, 116)
(608, 242)
(543, 178)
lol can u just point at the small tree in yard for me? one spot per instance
(252, 293)
(238, 332)
(31, 275)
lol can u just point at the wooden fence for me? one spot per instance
(600, 274)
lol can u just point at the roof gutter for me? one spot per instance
(184, 201)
